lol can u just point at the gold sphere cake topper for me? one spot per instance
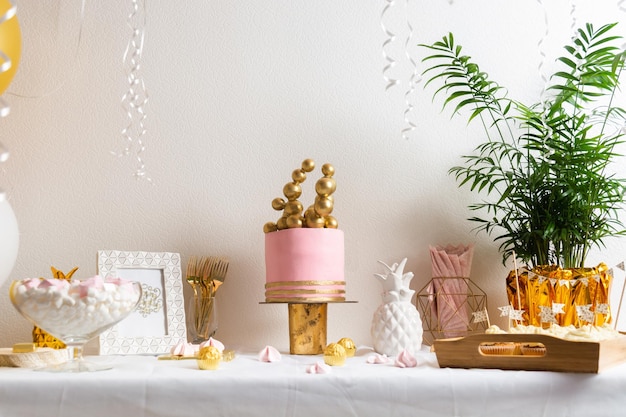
(316, 215)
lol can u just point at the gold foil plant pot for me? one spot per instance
(575, 296)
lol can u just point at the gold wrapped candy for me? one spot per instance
(317, 215)
(335, 355)
(209, 358)
(348, 345)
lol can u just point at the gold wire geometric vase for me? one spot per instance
(451, 307)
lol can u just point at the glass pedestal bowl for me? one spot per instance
(75, 311)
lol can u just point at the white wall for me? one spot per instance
(240, 93)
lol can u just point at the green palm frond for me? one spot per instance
(543, 167)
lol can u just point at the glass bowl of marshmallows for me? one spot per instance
(75, 311)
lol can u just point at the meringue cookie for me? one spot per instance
(405, 360)
(269, 354)
(378, 359)
(319, 368)
(183, 349)
(213, 342)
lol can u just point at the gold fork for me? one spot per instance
(192, 274)
(206, 269)
(218, 275)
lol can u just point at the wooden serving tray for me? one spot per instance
(561, 355)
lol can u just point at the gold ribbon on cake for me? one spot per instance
(295, 291)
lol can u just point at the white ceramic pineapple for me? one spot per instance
(396, 324)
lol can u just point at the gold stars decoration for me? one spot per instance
(317, 215)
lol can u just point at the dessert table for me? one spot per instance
(143, 386)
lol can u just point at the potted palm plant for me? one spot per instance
(544, 170)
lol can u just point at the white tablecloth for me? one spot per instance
(144, 386)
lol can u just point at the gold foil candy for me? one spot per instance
(348, 345)
(228, 355)
(335, 355)
(209, 358)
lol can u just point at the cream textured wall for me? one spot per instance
(240, 93)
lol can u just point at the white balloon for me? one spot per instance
(9, 239)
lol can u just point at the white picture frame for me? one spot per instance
(158, 322)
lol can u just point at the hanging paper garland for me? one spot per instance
(390, 62)
(136, 97)
(413, 80)
(572, 15)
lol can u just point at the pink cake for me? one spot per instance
(304, 265)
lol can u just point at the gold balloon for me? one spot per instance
(278, 203)
(325, 186)
(328, 170)
(10, 45)
(315, 222)
(298, 175)
(294, 221)
(269, 227)
(308, 165)
(318, 214)
(323, 206)
(330, 222)
(293, 207)
(292, 191)
(281, 224)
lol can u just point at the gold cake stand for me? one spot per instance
(307, 325)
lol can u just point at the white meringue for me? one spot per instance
(405, 360)
(378, 359)
(212, 342)
(269, 354)
(319, 368)
(183, 349)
